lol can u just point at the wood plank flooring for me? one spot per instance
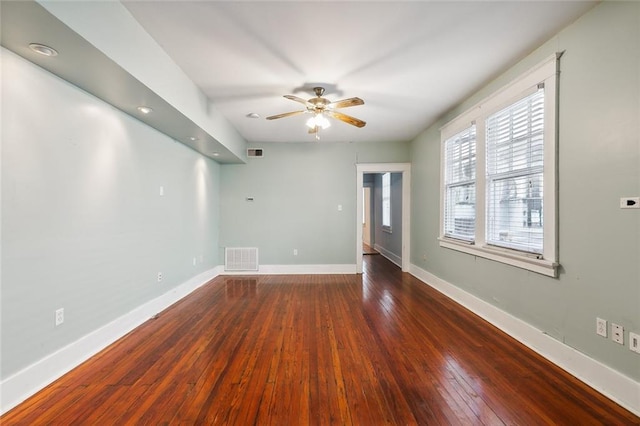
(368, 250)
(381, 348)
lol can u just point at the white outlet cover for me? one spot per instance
(59, 316)
(617, 333)
(601, 327)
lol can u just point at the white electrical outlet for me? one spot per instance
(634, 342)
(159, 276)
(59, 316)
(617, 333)
(601, 327)
(295, 252)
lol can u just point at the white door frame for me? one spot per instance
(367, 207)
(405, 169)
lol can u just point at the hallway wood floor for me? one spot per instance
(381, 348)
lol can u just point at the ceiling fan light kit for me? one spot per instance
(321, 108)
(318, 120)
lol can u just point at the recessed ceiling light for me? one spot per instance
(145, 109)
(253, 115)
(43, 50)
(215, 154)
(193, 138)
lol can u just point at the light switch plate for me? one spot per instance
(630, 203)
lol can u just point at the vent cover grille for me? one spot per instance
(240, 259)
(255, 152)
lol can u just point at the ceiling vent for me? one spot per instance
(254, 152)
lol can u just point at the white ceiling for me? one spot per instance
(410, 61)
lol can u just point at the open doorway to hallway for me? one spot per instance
(393, 244)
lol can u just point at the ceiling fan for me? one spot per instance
(321, 108)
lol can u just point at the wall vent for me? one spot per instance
(241, 259)
(255, 152)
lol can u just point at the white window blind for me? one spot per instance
(386, 201)
(514, 175)
(460, 185)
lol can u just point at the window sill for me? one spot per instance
(509, 257)
(386, 229)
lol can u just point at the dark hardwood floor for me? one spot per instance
(368, 250)
(381, 348)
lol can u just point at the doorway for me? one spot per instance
(405, 169)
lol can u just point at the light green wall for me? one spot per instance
(83, 225)
(599, 162)
(297, 188)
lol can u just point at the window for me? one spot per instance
(460, 185)
(515, 161)
(498, 195)
(386, 202)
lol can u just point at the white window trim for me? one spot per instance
(546, 72)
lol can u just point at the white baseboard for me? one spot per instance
(609, 382)
(297, 270)
(18, 387)
(394, 258)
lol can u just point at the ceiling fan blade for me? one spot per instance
(286, 114)
(347, 118)
(346, 103)
(313, 130)
(297, 99)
